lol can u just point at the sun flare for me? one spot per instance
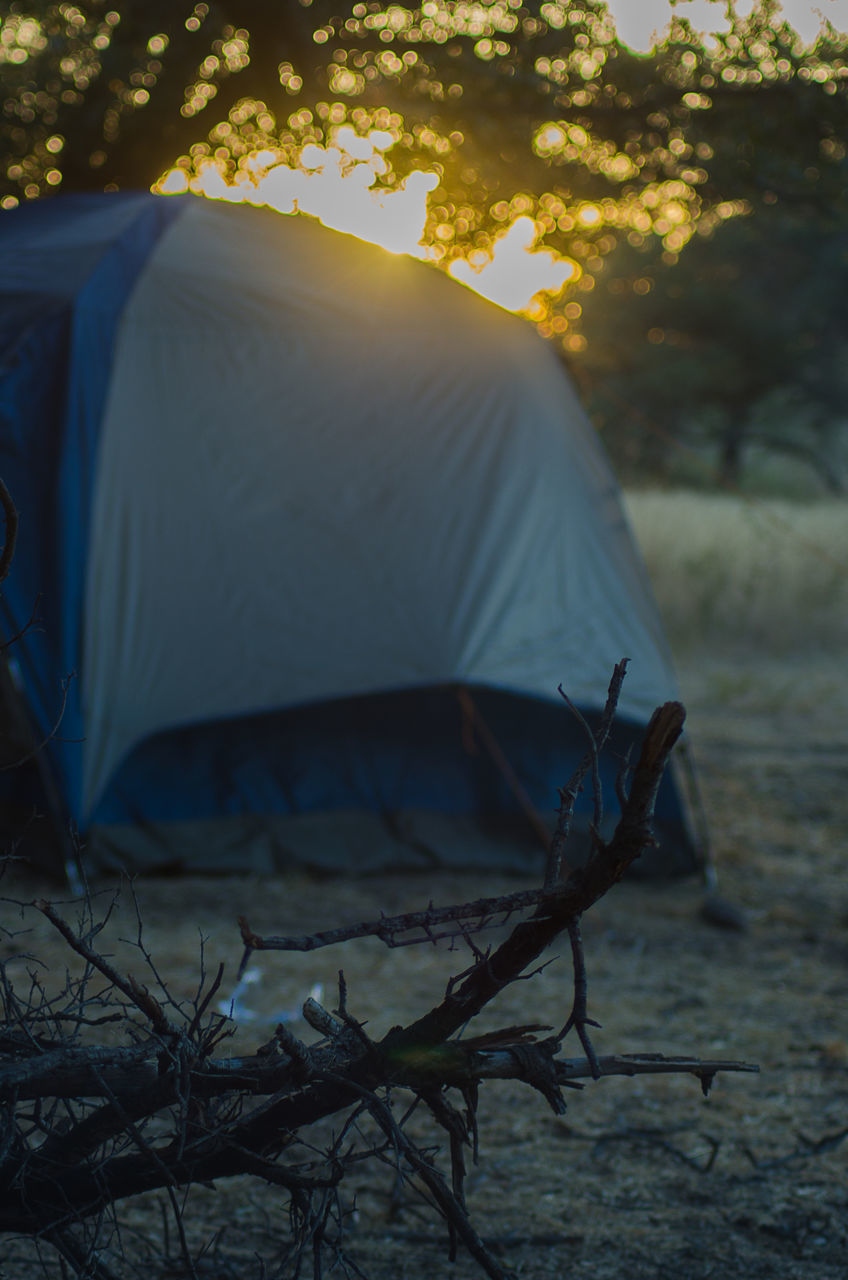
(516, 270)
(338, 185)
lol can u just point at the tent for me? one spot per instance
(315, 535)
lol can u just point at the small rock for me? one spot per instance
(723, 914)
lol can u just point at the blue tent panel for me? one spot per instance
(392, 754)
(60, 302)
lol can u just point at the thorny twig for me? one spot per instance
(391, 929)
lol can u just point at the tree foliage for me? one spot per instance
(625, 162)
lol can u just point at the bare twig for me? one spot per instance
(568, 794)
(10, 513)
(51, 733)
(136, 994)
(579, 1018)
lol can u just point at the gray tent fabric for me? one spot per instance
(405, 469)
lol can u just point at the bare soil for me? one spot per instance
(642, 1178)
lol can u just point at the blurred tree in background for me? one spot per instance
(743, 341)
(697, 195)
(740, 346)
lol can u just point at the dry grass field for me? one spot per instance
(643, 1179)
(734, 576)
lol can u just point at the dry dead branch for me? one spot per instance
(84, 1125)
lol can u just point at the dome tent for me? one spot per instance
(281, 495)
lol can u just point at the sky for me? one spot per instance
(637, 20)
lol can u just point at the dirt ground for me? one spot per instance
(642, 1178)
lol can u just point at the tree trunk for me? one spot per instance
(730, 455)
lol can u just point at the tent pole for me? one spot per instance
(697, 811)
(66, 844)
(715, 909)
(510, 777)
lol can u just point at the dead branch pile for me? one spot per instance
(86, 1124)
